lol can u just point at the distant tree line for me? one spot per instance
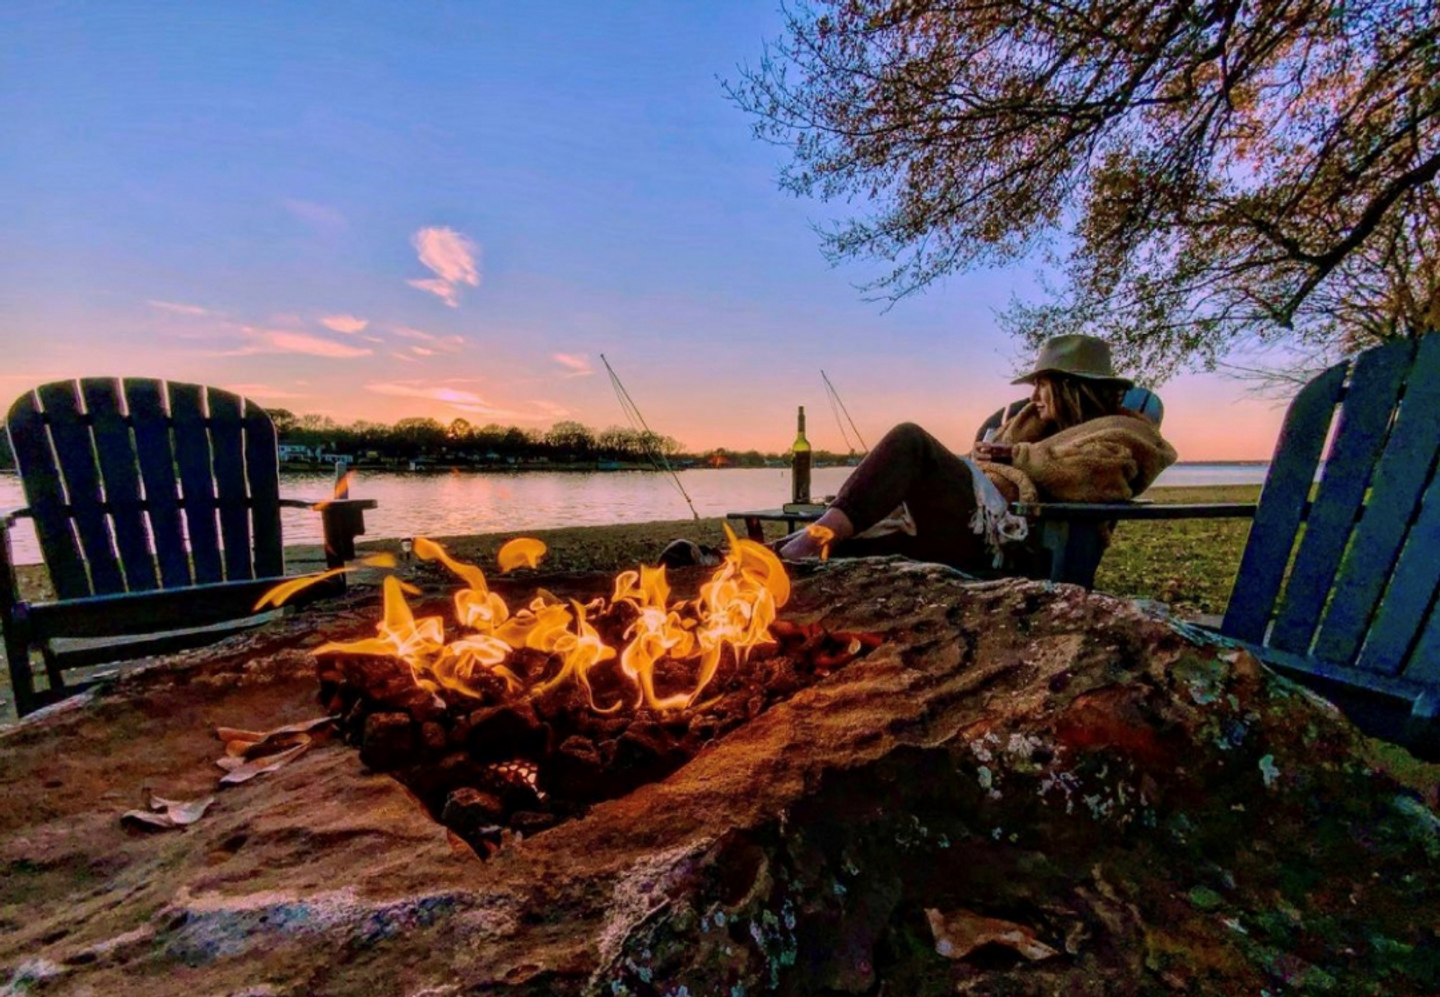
(564, 442)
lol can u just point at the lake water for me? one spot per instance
(451, 503)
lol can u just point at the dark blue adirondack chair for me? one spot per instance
(157, 508)
(1338, 582)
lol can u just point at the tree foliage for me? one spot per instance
(1197, 173)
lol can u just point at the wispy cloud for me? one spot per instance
(551, 409)
(178, 308)
(404, 356)
(462, 401)
(347, 324)
(448, 344)
(452, 257)
(287, 341)
(319, 215)
(422, 351)
(263, 391)
(575, 364)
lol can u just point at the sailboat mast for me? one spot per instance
(836, 403)
(637, 422)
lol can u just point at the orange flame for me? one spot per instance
(522, 552)
(823, 534)
(735, 608)
(281, 593)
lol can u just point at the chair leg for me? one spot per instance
(22, 678)
(341, 524)
(1422, 726)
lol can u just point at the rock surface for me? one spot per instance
(1057, 792)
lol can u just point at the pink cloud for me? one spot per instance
(447, 343)
(263, 391)
(178, 308)
(577, 364)
(285, 341)
(319, 215)
(551, 409)
(452, 257)
(347, 324)
(462, 401)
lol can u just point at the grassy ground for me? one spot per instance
(1188, 564)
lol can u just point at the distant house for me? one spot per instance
(296, 451)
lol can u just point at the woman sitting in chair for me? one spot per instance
(1073, 442)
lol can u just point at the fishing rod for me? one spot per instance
(637, 422)
(837, 406)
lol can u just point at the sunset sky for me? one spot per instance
(379, 210)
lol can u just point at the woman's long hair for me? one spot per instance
(1080, 399)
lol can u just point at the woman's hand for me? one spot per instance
(996, 453)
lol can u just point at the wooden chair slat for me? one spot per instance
(1399, 480)
(1423, 668)
(98, 470)
(119, 469)
(1277, 520)
(227, 437)
(75, 451)
(1408, 597)
(197, 486)
(1361, 429)
(262, 464)
(156, 454)
(45, 496)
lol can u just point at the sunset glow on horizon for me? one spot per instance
(380, 211)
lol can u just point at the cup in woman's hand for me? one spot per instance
(997, 453)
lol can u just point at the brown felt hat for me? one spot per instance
(1077, 356)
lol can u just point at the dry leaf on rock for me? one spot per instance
(165, 813)
(259, 766)
(253, 744)
(228, 734)
(961, 932)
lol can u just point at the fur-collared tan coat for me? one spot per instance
(1109, 459)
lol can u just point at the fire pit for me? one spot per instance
(1022, 790)
(516, 721)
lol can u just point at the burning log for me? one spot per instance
(520, 720)
(452, 750)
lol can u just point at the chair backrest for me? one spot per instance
(1363, 572)
(141, 484)
(1137, 399)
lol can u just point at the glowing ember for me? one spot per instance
(734, 609)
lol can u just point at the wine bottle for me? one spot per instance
(800, 463)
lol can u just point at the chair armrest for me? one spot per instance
(324, 504)
(342, 520)
(1111, 511)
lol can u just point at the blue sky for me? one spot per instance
(452, 209)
